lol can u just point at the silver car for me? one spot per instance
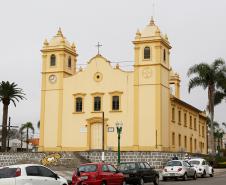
(178, 169)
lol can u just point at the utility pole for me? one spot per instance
(8, 131)
(21, 140)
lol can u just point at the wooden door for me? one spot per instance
(96, 136)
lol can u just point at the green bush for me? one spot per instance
(216, 162)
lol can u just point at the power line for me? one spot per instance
(126, 61)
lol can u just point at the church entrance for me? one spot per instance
(96, 136)
(95, 133)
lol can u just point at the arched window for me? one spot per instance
(195, 143)
(191, 122)
(78, 104)
(173, 114)
(179, 140)
(173, 138)
(185, 142)
(69, 62)
(179, 117)
(52, 60)
(185, 119)
(147, 53)
(97, 103)
(195, 126)
(164, 55)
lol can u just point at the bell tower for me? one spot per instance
(151, 89)
(59, 59)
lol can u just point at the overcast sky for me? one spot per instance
(196, 31)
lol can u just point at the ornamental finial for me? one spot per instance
(59, 33)
(152, 22)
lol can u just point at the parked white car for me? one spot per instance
(178, 169)
(29, 174)
(202, 167)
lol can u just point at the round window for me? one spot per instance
(98, 76)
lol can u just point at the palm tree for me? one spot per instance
(218, 135)
(27, 126)
(9, 92)
(208, 77)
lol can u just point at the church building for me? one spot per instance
(80, 108)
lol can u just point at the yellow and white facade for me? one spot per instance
(73, 100)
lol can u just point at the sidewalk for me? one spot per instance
(219, 170)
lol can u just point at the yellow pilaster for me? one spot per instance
(136, 100)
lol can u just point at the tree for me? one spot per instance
(9, 92)
(211, 77)
(27, 126)
(14, 134)
(218, 134)
(224, 124)
(38, 124)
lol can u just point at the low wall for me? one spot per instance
(156, 159)
(9, 158)
(68, 159)
(73, 159)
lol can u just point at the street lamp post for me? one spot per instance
(119, 131)
(103, 156)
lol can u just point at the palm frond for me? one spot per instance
(28, 125)
(195, 82)
(224, 124)
(219, 96)
(218, 63)
(11, 92)
(198, 69)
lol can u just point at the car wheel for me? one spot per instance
(141, 181)
(185, 177)
(156, 180)
(195, 176)
(211, 175)
(103, 183)
(164, 179)
(204, 174)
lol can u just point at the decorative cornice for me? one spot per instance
(173, 98)
(152, 40)
(97, 93)
(151, 64)
(79, 94)
(54, 49)
(116, 92)
(96, 120)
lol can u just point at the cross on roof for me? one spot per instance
(98, 48)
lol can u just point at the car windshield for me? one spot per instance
(7, 172)
(194, 162)
(174, 163)
(127, 166)
(88, 168)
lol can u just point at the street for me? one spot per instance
(219, 179)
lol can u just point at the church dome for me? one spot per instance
(150, 30)
(59, 39)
